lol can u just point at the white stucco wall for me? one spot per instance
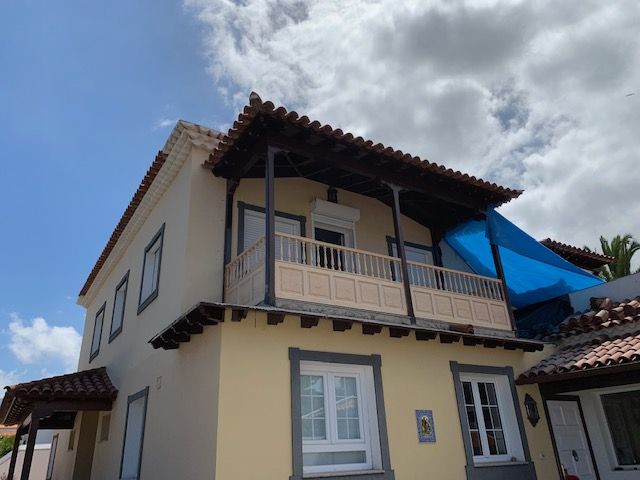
(192, 210)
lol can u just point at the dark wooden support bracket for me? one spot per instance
(471, 341)
(425, 336)
(369, 329)
(397, 226)
(238, 314)
(308, 321)
(275, 318)
(490, 343)
(341, 325)
(397, 332)
(180, 337)
(449, 338)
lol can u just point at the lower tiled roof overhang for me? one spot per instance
(88, 386)
(205, 314)
(600, 356)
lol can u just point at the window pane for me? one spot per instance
(475, 442)
(312, 407)
(471, 415)
(133, 439)
(333, 458)
(52, 456)
(468, 393)
(118, 307)
(491, 417)
(97, 332)
(623, 418)
(347, 408)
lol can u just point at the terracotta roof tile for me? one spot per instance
(597, 353)
(86, 385)
(256, 106)
(580, 257)
(605, 314)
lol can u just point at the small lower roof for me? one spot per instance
(83, 386)
(597, 356)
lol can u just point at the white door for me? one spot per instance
(571, 440)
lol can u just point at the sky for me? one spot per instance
(543, 96)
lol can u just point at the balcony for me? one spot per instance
(313, 273)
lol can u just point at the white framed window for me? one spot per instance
(105, 427)
(151, 270)
(338, 418)
(134, 435)
(119, 303)
(52, 457)
(253, 226)
(97, 332)
(493, 428)
(621, 411)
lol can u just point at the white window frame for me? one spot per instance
(97, 340)
(508, 418)
(370, 441)
(604, 423)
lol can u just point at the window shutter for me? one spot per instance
(254, 227)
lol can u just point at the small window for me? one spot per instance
(485, 422)
(151, 270)
(134, 436)
(119, 303)
(622, 411)
(52, 457)
(339, 422)
(72, 440)
(489, 416)
(97, 332)
(105, 427)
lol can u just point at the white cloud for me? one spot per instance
(8, 378)
(39, 342)
(528, 94)
(164, 123)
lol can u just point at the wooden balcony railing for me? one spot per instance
(311, 271)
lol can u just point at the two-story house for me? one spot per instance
(278, 303)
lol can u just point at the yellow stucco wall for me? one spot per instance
(254, 430)
(294, 196)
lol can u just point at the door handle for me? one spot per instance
(574, 454)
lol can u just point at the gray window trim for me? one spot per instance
(92, 354)
(132, 398)
(52, 453)
(143, 303)
(125, 280)
(375, 361)
(521, 470)
(243, 207)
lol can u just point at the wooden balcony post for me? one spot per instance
(495, 251)
(232, 184)
(31, 443)
(270, 228)
(397, 226)
(14, 454)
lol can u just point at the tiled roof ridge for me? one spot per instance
(605, 313)
(257, 106)
(550, 243)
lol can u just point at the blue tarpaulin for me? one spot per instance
(533, 273)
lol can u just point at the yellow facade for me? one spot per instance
(254, 417)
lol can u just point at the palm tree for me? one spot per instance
(622, 247)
